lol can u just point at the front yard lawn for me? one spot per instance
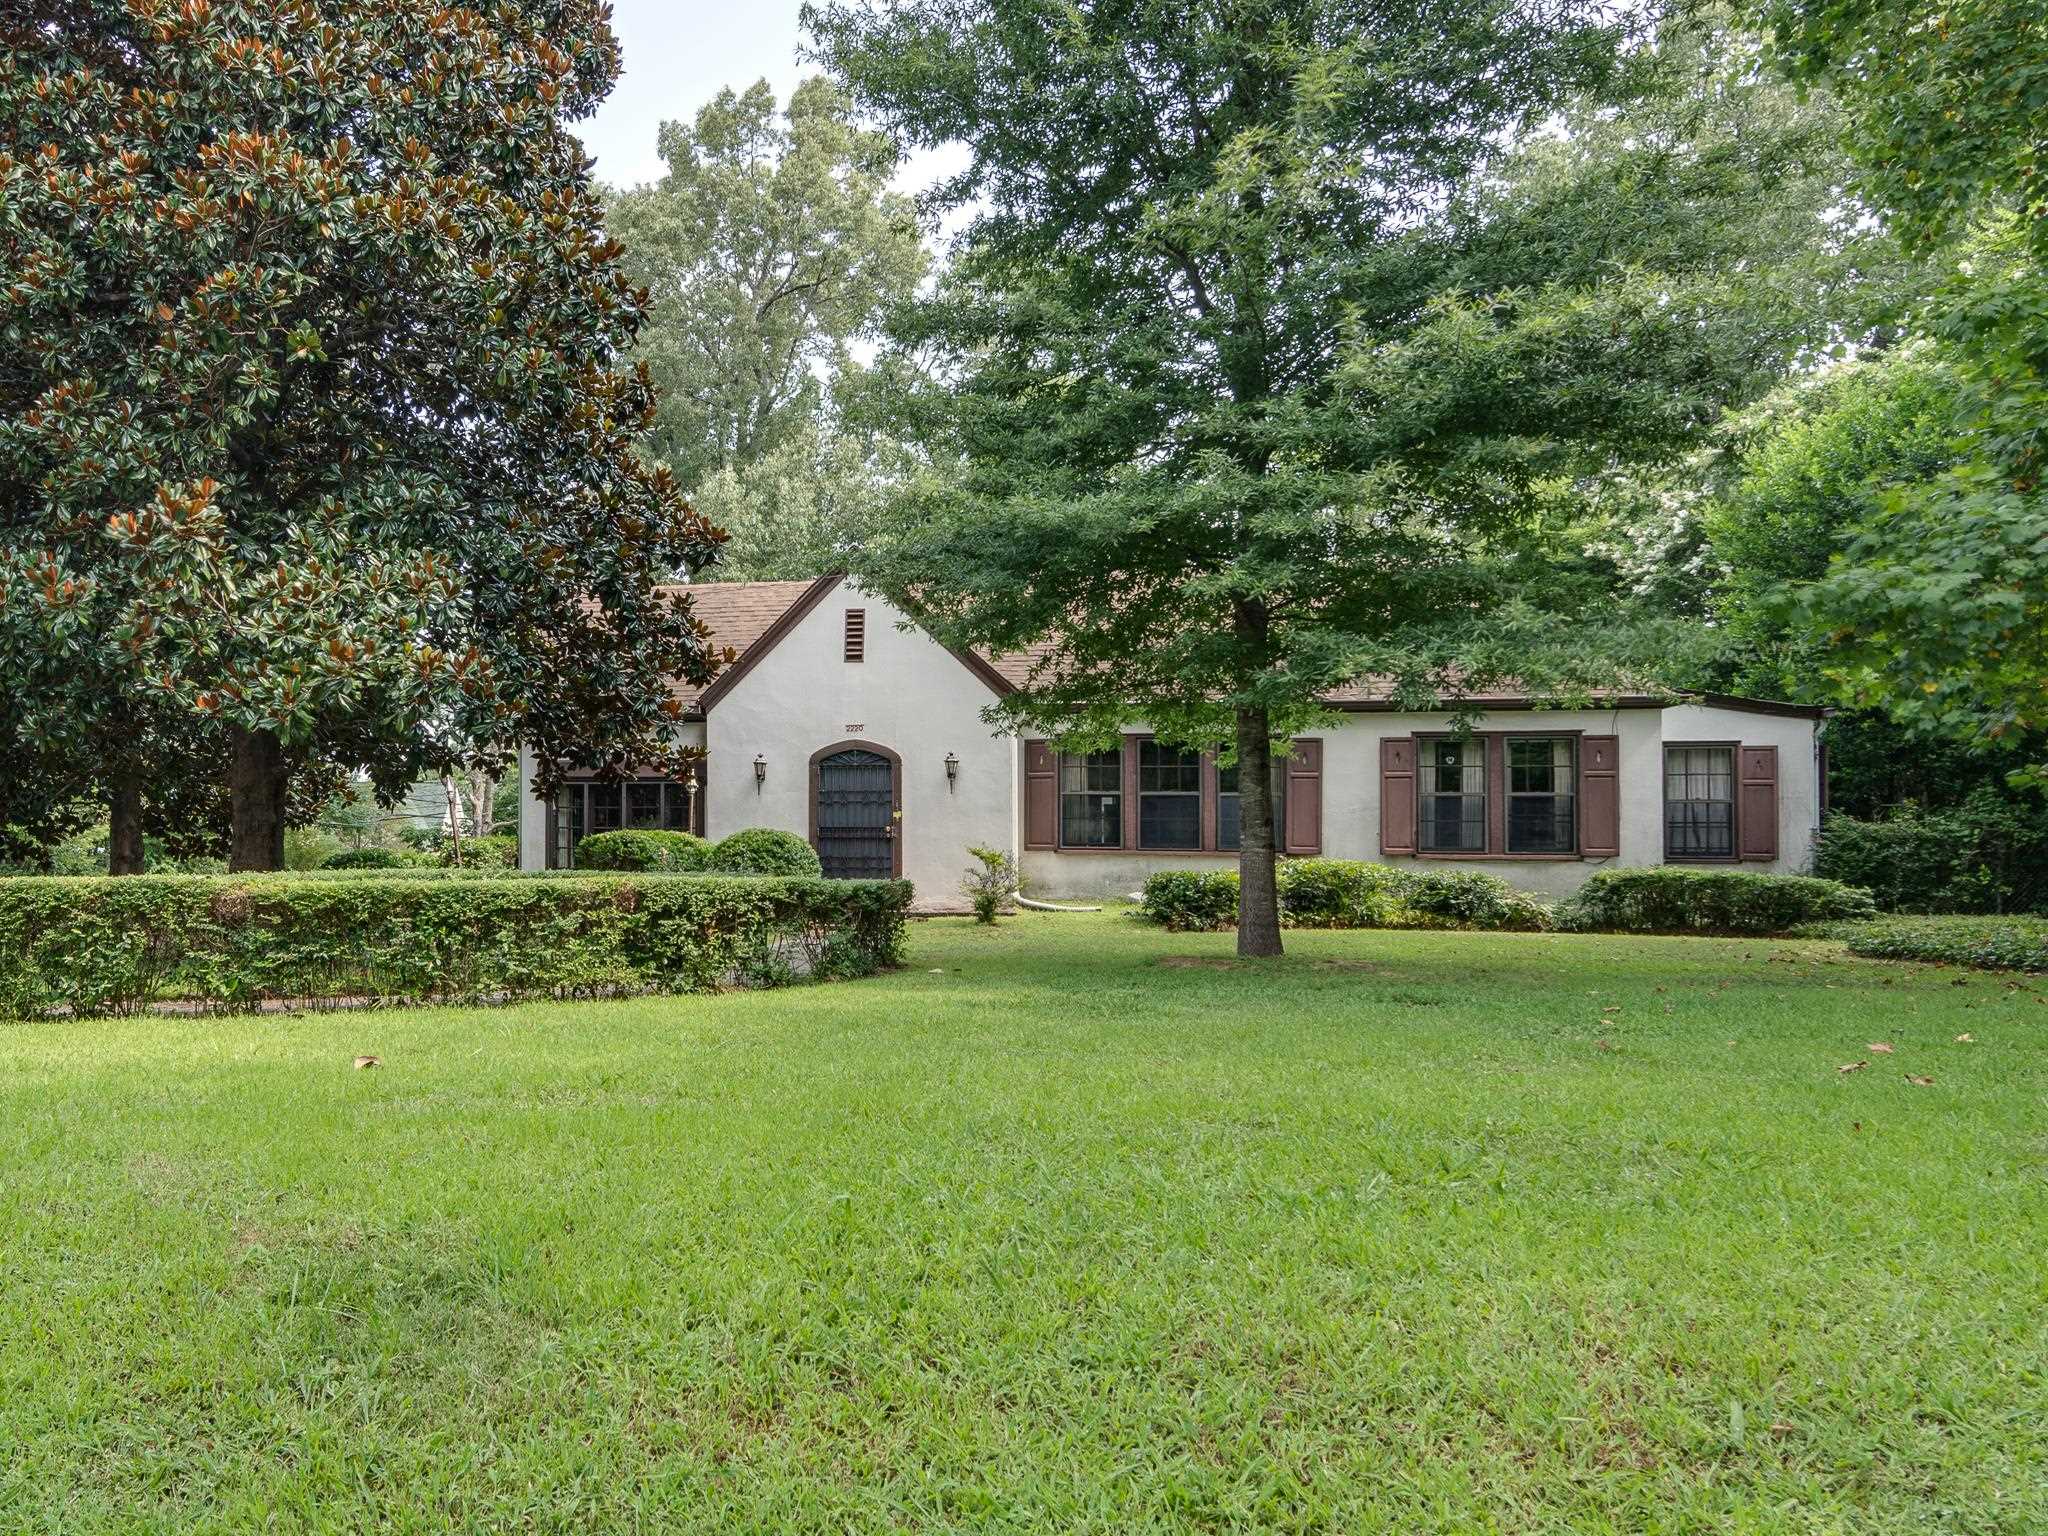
(1069, 1226)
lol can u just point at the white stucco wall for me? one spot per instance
(910, 695)
(1351, 797)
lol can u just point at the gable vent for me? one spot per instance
(856, 634)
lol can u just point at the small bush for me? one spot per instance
(765, 851)
(1990, 943)
(367, 858)
(499, 850)
(1669, 900)
(1989, 854)
(994, 882)
(1339, 893)
(644, 852)
(1471, 898)
(1191, 900)
(100, 945)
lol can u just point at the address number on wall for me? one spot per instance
(855, 730)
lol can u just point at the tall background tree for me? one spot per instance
(1284, 332)
(317, 445)
(769, 249)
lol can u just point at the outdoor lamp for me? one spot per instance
(952, 772)
(760, 772)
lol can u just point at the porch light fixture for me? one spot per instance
(760, 772)
(952, 772)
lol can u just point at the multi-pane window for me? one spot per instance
(1092, 800)
(1452, 803)
(582, 807)
(1699, 802)
(1542, 799)
(1169, 797)
(1229, 809)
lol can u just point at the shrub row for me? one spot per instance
(1730, 901)
(100, 946)
(499, 850)
(1350, 893)
(1992, 943)
(1347, 893)
(646, 852)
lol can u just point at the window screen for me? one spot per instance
(1092, 800)
(1542, 794)
(1699, 802)
(1451, 808)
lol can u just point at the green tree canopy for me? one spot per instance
(769, 248)
(1279, 324)
(315, 433)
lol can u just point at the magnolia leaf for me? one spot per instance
(363, 1062)
(1920, 1082)
(1879, 1047)
(1853, 1066)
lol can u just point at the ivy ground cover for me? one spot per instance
(1069, 1225)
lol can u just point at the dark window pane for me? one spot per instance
(675, 808)
(1227, 813)
(1699, 802)
(604, 807)
(1454, 823)
(1091, 821)
(1542, 799)
(1164, 770)
(643, 804)
(1541, 824)
(1452, 814)
(1169, 821)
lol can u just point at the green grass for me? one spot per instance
(1054, 1237)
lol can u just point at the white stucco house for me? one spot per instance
(838, 722)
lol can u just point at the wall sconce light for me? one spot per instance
(952, 772)
(690, 783)
(760, 772)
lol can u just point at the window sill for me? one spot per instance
(1504, 858)
(1147, 853)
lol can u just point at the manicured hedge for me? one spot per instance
(1992, 943)
(644, 851)
(1667, 900)
(765, 851)
(1347, 893)
(98, 945)
(1339, 893)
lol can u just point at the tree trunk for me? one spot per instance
(454, 815)
(124, 825)
(258, 776)
(1258, 901)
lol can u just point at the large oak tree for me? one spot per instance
(1280, 325)
(316, 441)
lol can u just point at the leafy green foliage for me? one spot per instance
(1348, 893)
(992, 881)
(498, 850)
(646, 851)
(368, 858)
(1989, 854)
(1991, 943)
(1667, 900)
(768, 248)
(315, 439)
(99, 946)
(1190, 900)
(764, 851)
(1274, 329)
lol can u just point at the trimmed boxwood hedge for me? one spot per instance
(1347, 893)
(1990, 943)
(643, 850)
(765, 851)
(96, 945)
(368, 858)
(1666, 900)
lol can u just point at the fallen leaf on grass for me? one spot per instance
(368, 1061)
(1612, 1008)
(1781, 1429)
(1881, 1047)
(1854, 1066)
(1920, 1082)
(1966, 1039)
(1605, 1045)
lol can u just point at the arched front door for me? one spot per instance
(853, 813)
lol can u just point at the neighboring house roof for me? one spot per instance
(752, 616)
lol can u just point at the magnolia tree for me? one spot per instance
(1277, 328)
(316, 445)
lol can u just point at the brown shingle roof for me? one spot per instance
(737, 613)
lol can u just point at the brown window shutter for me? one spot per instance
(1600, 797)
(1756, 802)
(856, 634)
(1397, 794)
(1305, 796)
(1041, 795)
(1130, 783)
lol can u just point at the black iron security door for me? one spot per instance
(856, 815)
